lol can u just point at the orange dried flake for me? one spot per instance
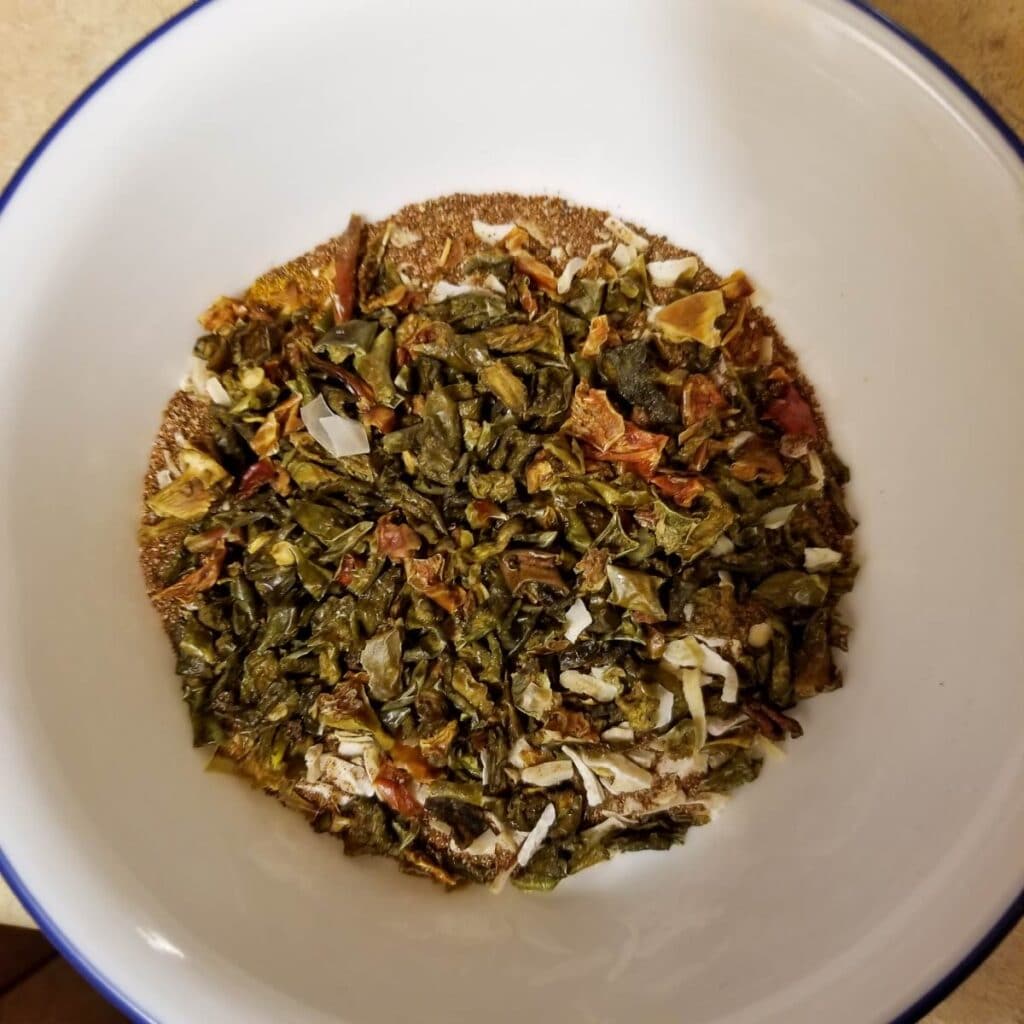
(683, 490)
(757, 461)
(598, 337)
(593, 418)
(591, 570)
(223, 315)
(287, 415)
(425, 575)
(638, 449)
(701, 398)
(540, 474)
(266, 439)
(539, 273)
(198, 580)
(381, 417)
(516, 239)
(409, 757)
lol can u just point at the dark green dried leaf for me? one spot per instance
(793, 590)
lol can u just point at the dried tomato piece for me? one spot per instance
(683, 490)
(792, 414)
(258, 474)
(396, 540)
(640, 450)
(346, 258)
(350, 565)
(593, 418)
(394, 787)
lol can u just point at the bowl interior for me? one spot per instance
(883, 220)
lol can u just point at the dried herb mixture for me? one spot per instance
(497, 548)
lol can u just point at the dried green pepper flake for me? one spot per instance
(593, 553)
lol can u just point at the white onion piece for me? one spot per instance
(643, 757)
(739, 440)
(596, 684)
(216, 391)
(197, 375)
(720, 726)
(716, 665)
(515, 755)
(666, 701)
(618, 773)
(371, 761)
(498, 836)
(536, 836)
(485, 845)
(550, 773)
(591, 787)
(623, 256)
(821, 559)
(619, 734)
(535, 231)
(347, 437)
(577, 618)
(338, 435)
(759, 634)
(445, 290)
(344, 775)
(535, 700)
(695, 702)
(722, 546)
(817, 469)
(491, 234)
(626, 234)
(313, 762)
(352, 746)
(494, 285)
(665, 273)
(777, 517)
(572, 268)
(683, 766)
(402, 238)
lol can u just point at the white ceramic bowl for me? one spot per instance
(882, 212)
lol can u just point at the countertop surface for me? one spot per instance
(53, 48)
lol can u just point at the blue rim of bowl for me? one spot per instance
(50, 928)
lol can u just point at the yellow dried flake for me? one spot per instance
(692, 318)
